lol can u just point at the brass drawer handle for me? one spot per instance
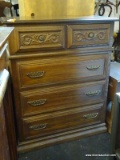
(93, 93)
(90, 116)
(93, 67)
(37, 102)
(38, 126)
(35, 74)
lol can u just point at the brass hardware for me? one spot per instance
(38, 126)
(93, 93)
(91, 35)
(93, 67)
(35, 74)
(90, 116)
(37, 102)
(42, 38)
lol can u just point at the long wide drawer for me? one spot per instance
(64, 69)
(58, 122)
(59, 98)
(88, 35)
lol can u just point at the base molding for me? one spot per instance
(61, 137)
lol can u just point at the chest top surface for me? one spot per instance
(66, 19)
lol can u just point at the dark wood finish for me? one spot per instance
(88, 35)
(39, 37)
(4, 147)
(60, 91)
(113, 88)
(8, 146)
(61, 137)
(40, 72)
(60, 98)
(7, 131)
(10, 122)
(62, 121)
(4, 5)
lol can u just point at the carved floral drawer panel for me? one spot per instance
(40, 72)
(59, 98)
(39, 37)
(61, 121)
(88, 35)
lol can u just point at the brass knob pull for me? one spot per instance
(91, 35)
(90, 116)
(93, 67)
(37, 102)
(35, 74)
(93, 93)
(41, 38)
(38, 126)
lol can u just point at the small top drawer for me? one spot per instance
(38, 38)
(63, 70)
(88, 35)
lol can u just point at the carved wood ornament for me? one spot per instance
(88, 36)
(39, 38)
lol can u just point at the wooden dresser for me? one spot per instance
(60, 70)
(7, 128)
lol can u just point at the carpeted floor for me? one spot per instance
(73, 150)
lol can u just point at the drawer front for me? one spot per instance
(64, 69)
(59, 98)
(41, 38)
(55, 123)
(88, 35)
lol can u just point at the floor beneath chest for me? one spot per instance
(74, 150)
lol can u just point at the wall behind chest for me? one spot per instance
(54, 8)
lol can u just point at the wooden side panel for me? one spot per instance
(4, 147)
(10, 122)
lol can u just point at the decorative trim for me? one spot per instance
(27, 39)
(79, 36)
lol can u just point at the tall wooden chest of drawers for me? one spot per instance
(60, 70)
